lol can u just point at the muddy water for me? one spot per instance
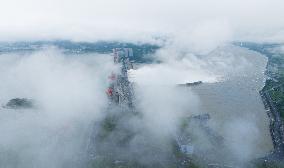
(235, 105)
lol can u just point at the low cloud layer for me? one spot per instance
(69, 96)
(141, 20)
(69, 92)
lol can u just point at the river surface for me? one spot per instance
(234, 103)
(232, 78)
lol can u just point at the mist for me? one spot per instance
(222, 69)
(69, 95)
(70, 101)
(128, 20)
(194, 40)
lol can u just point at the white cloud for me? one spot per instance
(136, 20)
(69, 92)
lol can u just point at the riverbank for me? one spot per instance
(272, 95)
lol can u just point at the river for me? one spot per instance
(235, 106)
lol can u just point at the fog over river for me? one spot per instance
(235, 105)
(232, 78)
(69, 92)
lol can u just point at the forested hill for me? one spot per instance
(141, 51)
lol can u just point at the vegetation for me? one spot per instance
(275, 71)
(141, 51)
(271, 164)
(19, 103)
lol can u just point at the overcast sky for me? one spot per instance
(140, 20)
